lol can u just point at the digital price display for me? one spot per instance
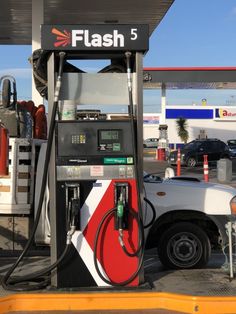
(110, 135)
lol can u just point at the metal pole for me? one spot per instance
(138, 104)
(37, 20)
(51, 170)
(229, 228)
(178, 163)
(163, 103)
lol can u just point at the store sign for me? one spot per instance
(225, 114)
(95, 37)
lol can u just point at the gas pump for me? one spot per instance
(95, 171)
(96, 168)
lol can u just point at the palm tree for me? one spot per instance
(182, 125)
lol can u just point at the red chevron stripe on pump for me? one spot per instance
(112, 259)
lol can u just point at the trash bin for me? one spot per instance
(224, 170)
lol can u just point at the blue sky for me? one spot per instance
(193, 33)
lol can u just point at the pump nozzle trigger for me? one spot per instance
(75, 206)
(74, 218)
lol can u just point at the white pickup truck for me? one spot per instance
(190, 219)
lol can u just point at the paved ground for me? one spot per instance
(213, 280)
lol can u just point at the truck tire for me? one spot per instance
(183, 246)
(6, 93)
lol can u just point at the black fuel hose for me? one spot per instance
(13, 284)
(6, 283)
(136, 253)
(134, 139)
(154, 215)
(141, 236)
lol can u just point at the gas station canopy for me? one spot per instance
(190, 77)
(16, 16)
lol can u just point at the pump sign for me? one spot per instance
(95, 37)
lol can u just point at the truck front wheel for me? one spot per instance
(184, 245)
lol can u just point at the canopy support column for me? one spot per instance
(37, 20)
(163, 104)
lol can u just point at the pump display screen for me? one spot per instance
(110, 140)
(109, 135)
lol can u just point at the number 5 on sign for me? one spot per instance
(133, 34)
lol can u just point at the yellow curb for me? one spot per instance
(117, 301)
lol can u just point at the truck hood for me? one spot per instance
(209, 198)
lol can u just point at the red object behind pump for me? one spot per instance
(4, 150)
(161, 153)
(40, 127)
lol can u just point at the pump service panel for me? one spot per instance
(84, 144)
(94, 138)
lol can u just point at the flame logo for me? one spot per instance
(63, 38)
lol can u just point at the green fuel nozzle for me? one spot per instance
(120, 212)
(120, 209)
(120, 217)
(121, 200)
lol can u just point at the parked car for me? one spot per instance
(232, 148)
(150, 142)
(193, 153)
(190, 219)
